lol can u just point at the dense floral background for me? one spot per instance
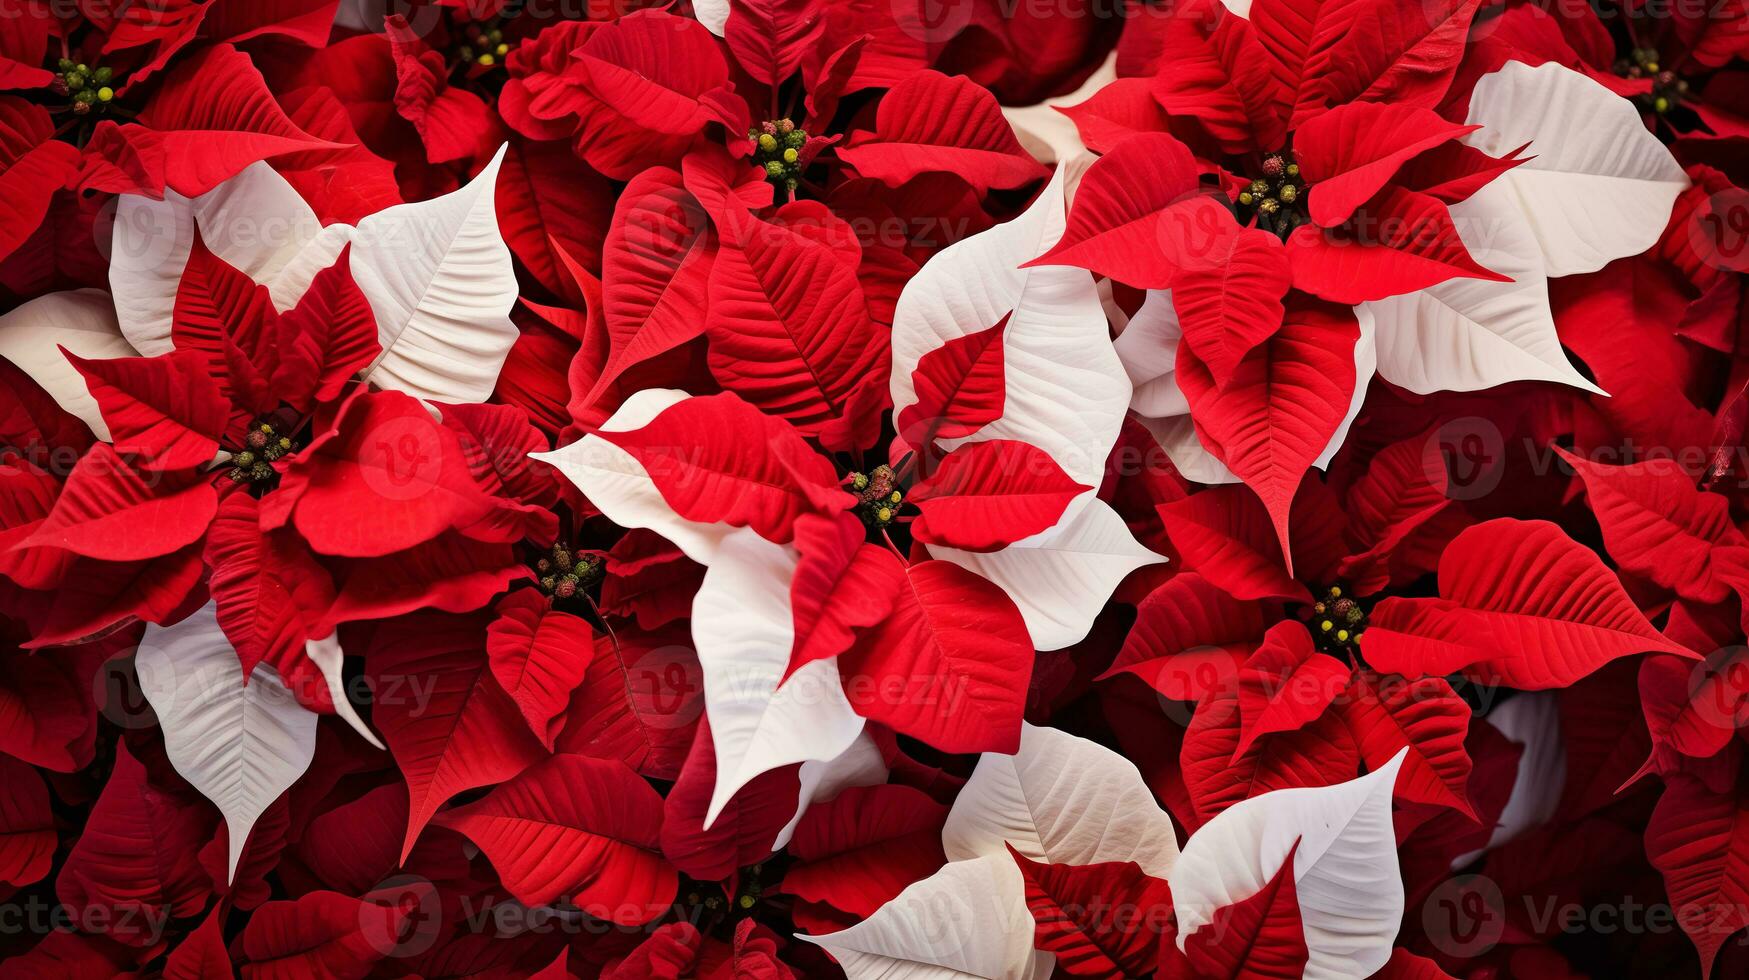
(909, 489)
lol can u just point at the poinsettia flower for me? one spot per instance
(1021, 543)
(132, 98)
(1026, 824)
(743, 626)
(792, 589)
(634, 93)
(252, 430)
(1676, 68)
(1235, 388)
(984, 350)
(182, 138)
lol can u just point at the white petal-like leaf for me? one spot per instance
(1061, 576)
(743, 628)
(1533, 720)
(860, 765)
(328, 658)
(1066, 388)
(439, 279)
(617, 484)
(1063, 800)
(1345, 870)
(288, 284)
(83, 321)
(967, 920)
(1148, 349)
(1600, 185)
(713, 14)
(256, 221)
(1470, 334)
(1049, 135)
(240, 745)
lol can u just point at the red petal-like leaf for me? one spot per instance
(1229, 295)
(960, 388)
(742, 833)
(1224, 534)
(108, 510)
(1352, 151)
(385, 476)
(539, 655)
(205, 133)
(770, 38)
(649, 579)
(655, 266)
(1655, 523)
(1259, 937)
(321, 934)
(27, 826)
(446, 721)
(988, 495)
(1385, 714)
(1319, 753)
(165, 409)
(201, 955)
(1283, 405)
(1073, 910)
(717, 459)
(639, 703)
(950, 665)
(789, 331)
(842, 584)
(1117, 225)
(1699, 841)
(586, 829)
(864, 846)
(326, 339)
(1524, 605)
(935, 123)
(270, 591)
(135, 855)
(1189, 639)
(1397, 242)
(1286, 684)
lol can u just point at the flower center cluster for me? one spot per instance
(262, 447)
(1277, 199)
(778, 149)
(483, 47)
(878, 496)
(87, 89)
(1667, 89)
(1337, 621)
(565, 572)
(714, 905)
